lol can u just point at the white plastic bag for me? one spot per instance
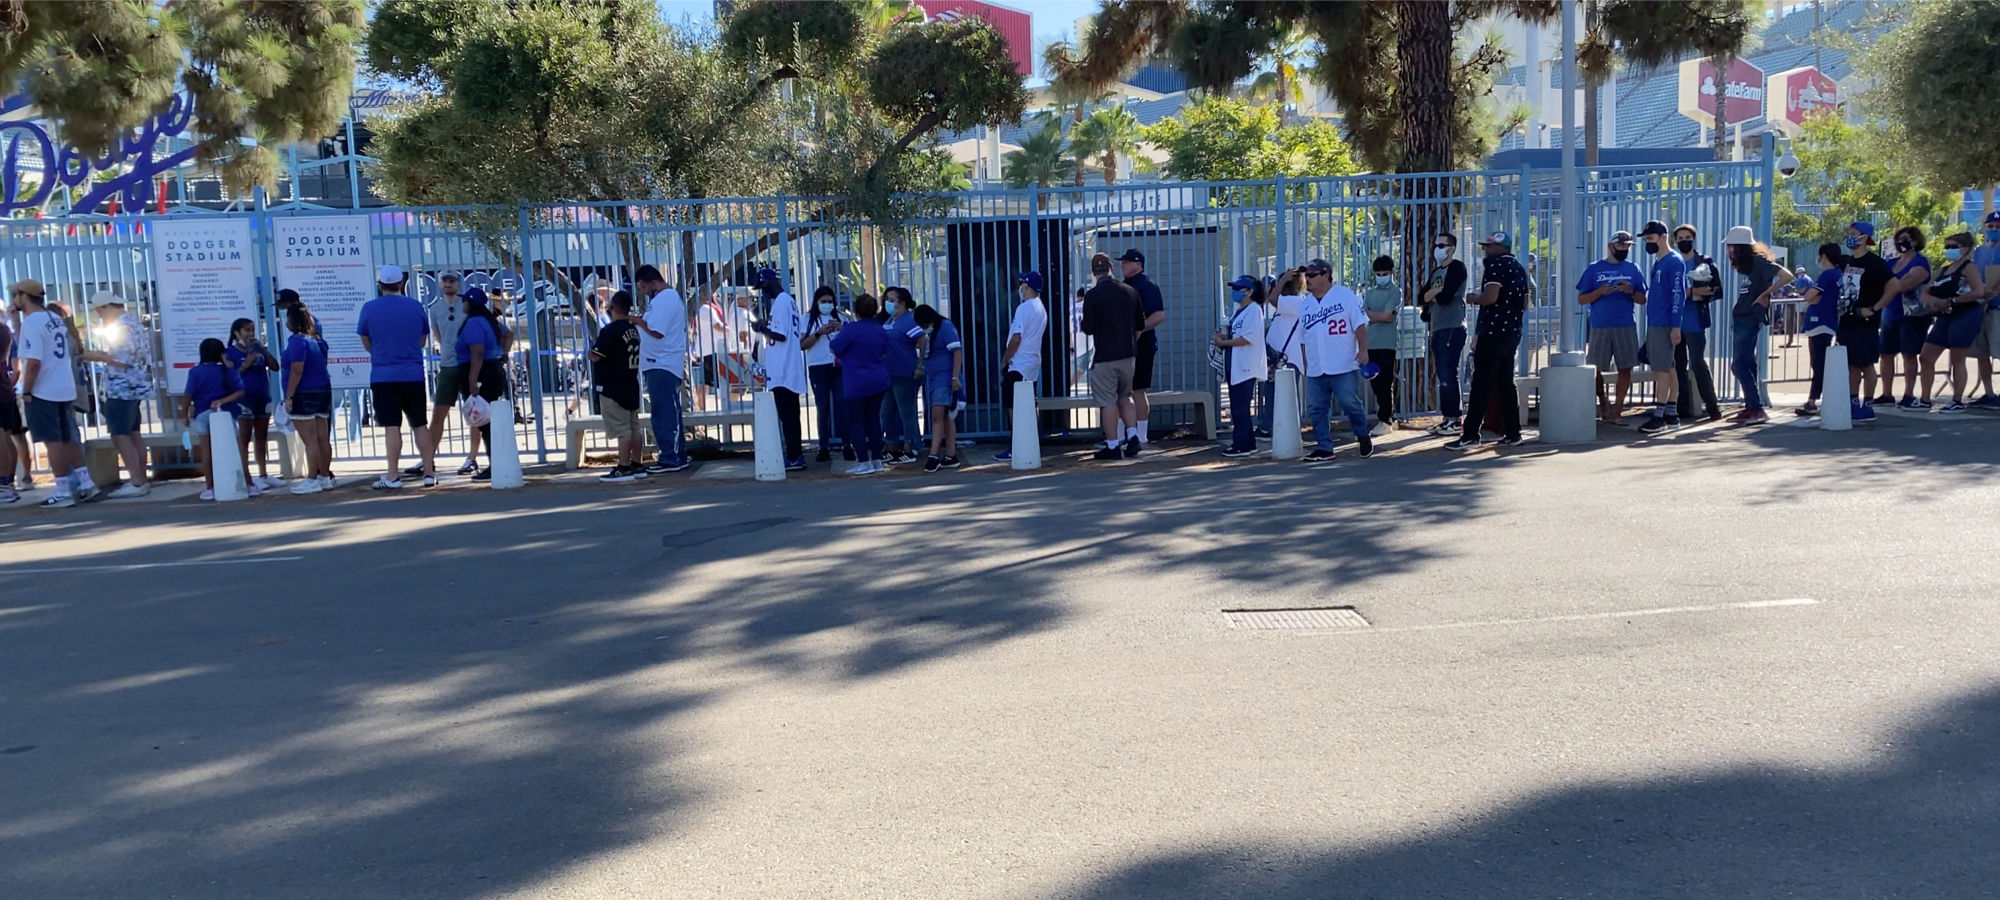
(281, 421)
(477, 411)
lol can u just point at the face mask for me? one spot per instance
(1240, 294)
(1652, 246)
(1993, 235)
(1618, 253)
(1384, 280)
(826, 309)
(1951, 254)
(1851, 242)
(1903, 246)
(1443, 253)
(1684, 246)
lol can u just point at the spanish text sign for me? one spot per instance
(327, 259)
(206, 270)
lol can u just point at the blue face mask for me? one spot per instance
(1239, 294)
(1993, 235)
(1951, 254)
(1851, 242)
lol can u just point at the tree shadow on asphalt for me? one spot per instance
(470, 702)
(1918, 824)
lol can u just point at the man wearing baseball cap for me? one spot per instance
(1334, 326)
(1502, 301)
(1987, 257)
(1611, 288)
(1666, 308)
(392, 328)
(1022, 360)
(1154, 308)
(48, 387)
(127, 381)
(1866, 286)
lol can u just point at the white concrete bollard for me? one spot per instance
(1569, 400)
(1836, 407)
(1285, 440)
(1027, 450)
(767, 438)
(502, 454)
(224, 458)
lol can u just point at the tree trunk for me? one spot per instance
(1590, 89)
(1075, 121)
(1284, 92)
(1721, 64)
(1110, 168)
(1423, 62)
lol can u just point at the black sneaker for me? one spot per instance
(1235, 453)
(485, 474)
(1510, 441)
(1653, 425)
(847, 453)
(932, 464)
(1810, 409)
(1319, 456)
(1464, 442)
(1884, 400)
(823, 456)
(1131, 448)
(1108, 453)
(1714, 415)
(470, 467)
(950, 462)
(1367, 446)
(1673, 422)
(662, 468)
(617, 475)
(1263, 433)
(414, 471)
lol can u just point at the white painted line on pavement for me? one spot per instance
(1584, 617)
(117, 568)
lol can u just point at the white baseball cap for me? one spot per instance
(389, 274)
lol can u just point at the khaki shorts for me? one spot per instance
(619, 422)
(1111, 381)
(1988, 341)
(449, 386)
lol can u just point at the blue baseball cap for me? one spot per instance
(767, 275)
(474, 296)
(1245, 283)
(1031, 279)
(1993, 218)
(1867, 229)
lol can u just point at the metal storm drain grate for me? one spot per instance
(1309, 617)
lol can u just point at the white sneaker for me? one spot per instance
(272, 483)
(384, 484)
(1381, 429)
(59, 501)
(326, 482)
(306, 486)
(207, 494)
(128, 490)
(861, 469)
(256, 490)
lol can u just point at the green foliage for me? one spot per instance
(1649, 32)
(1043, 159)
(1108, 133)
(798, 34)
(275, 72)
(1932, 75)
(1849, 172)
(1220, 139)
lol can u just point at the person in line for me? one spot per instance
(1986, 258)
(17, 438)
(900, 407)
(46, 356)
(1762, 279)
(710, 346)
(1907, 321)
(862, 346)
(1957, 298)
(11, 423)
(1802, 282)
(1113, 318)
(481, 351)
(1383, 300)
(212, 386)
(253, 365)
(446, 314)
(1284, 346)
(663, 348)
(1021, 359)
(822, 320)
(392, 328)
(1866, 288)
(1821, 320)
(309, 398)
(1502, 302)
(127, 363)
(1247, 364)
(1335, 326)
(1692, 374)
(1443, 306)
(614, 374)
(1154, 306)
(784, 363)
(944, 366)
(1611, 288)
(1666, 302)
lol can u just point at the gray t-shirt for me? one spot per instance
(447, 316)
(1377, 299)
(1449, 310)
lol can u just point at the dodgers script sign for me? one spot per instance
(1743, 90)
(329, 261)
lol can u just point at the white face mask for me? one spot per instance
(1440, 253)
(1384, 280)
(826, 309)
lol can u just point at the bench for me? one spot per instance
(100, 456)
(1531, 384)
(1203, 401)
(580, 426)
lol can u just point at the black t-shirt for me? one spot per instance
(1755, 283)
(1150, 302)
(1861, 285)
(617, 373)
(1504, 315)
(1112, 317)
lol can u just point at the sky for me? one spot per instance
(1054, 20)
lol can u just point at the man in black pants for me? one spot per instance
(1154, 307)
(1501, 304)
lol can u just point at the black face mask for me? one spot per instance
(1902, 246)
(1652, 246)
(1618, 253)
(1684, 246)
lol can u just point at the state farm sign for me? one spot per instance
(1742, 92)
(1803, 91)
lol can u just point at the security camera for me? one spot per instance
(1788, 164)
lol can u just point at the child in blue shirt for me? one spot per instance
(944, 361)
(253, 363)
(212, 385)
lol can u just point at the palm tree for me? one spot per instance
(1110, 132)
(1648, 34)
(1042, 161)
(1282, 82)
(1059, 63)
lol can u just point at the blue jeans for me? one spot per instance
(1321, 391)
(663, 388)
(1743, 361)
(826, 399)
(1447, 348)
(899, 413)
(1266, 398)
(1241, 436)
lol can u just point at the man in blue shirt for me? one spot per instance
(1820, 320)
(1987, 257)
(392, 328)
(1154, 307)
(1666, 305)
(1611, 287)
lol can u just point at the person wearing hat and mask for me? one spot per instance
(1334, 325)
(1502, 301)
(1154, 308)
(1692, 375)
(1762, 279)
(1906, 321)
(1247, 362)
(1022, 358)
(48, 392)
(446, 313)
(1443, 303)
(1666, 308)
(1611, 289)
(1866, 286)
(127, 363)
(1985, 346)
(392, 328)
(784, 362)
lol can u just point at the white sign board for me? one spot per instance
(329, 261)
(206, 270)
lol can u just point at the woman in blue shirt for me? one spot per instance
(254, 364)
(1957, 298)
(480, 351)
(1822, 319)
(944, 361)
(1907, 318)
(861, 346)
(212, 387)
(899, 407)
(309, 398)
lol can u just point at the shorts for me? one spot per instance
(316, 404)
(51, 422)
(397, 402)
(201, 419)
(254, 407)
(1111, 381)
(10, 414)
(1905, 336)
(1142, 367)
(448, 385)
(1956, 329)
(1660, 347)
(937, 389)
(1863, 343)
(709, 370)
(120, 416)
(1987, 343)
(1618, 344)
(619, 422)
